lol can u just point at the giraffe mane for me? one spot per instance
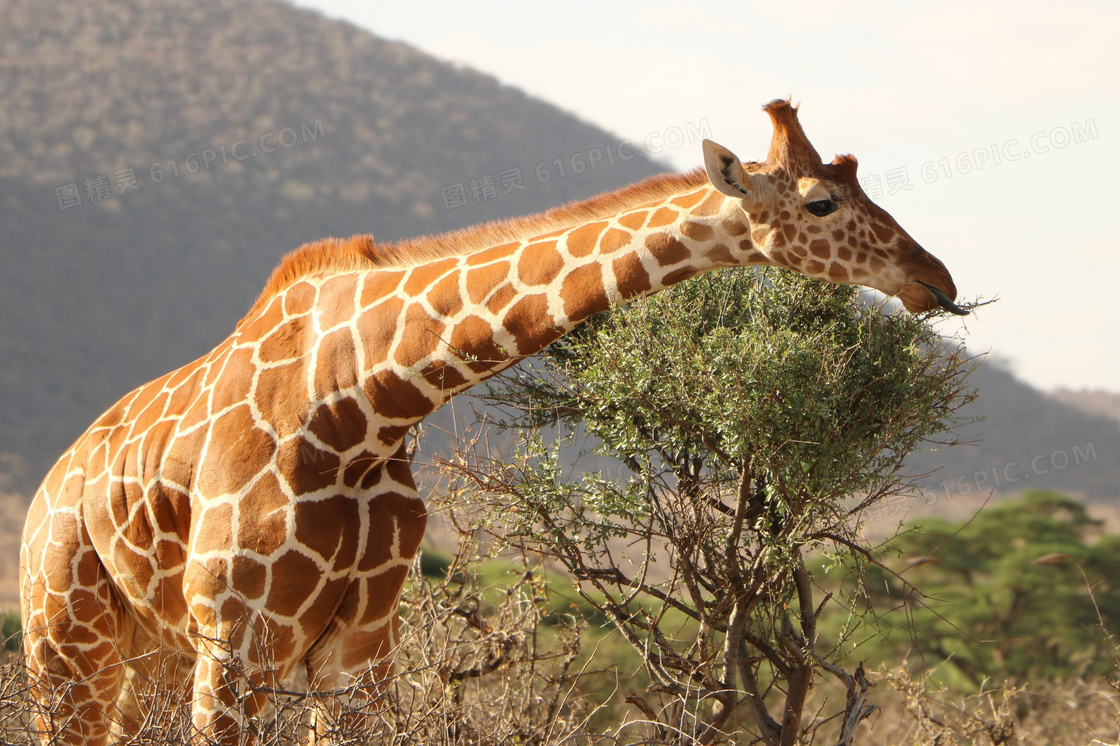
(334, 255)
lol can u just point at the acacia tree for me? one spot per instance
(736, 424)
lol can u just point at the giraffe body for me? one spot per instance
(257, 507)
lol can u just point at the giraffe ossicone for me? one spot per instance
(254, 511)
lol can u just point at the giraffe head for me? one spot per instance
(814, 218)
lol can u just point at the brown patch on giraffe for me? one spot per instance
(118, 505)
(814, 267)
(278, 390)
(679, 274)
(381, 598)
(532, 327)
(838, 273)
(710, 206)
(802, 238)
(501, 298)
(877, 264)
(443, 375)
(396, 523)
(337, 300)
(392, 434)
(719, 254)
(663, 216)
(214, 531)
(844, 253)
(539, 263)
(472, 340)
(340, 425)
(633, 220)
(358, 467)
(697, 231)
(376, 286)
(758, 236)
(238, 450)
(424, 336)
(171, 511)
(138, 531)
(613, 240)
(444, 297)
(379, 327)
(813, 229)
(883, 233)
(423, 276)
(396, 398)
(799, 251)
(305, 467)
(582, 241)
(236, 380)
(169, 599)
(481, 280)
(666, 249)
(263, 526)
(284, 343)
(329, 528)
(336, 363)
(294, 577)
(821, 248)
(630, 276)
(688, 200)
(373, 478)
(497, 252)
(249, 577)
(582, 292)
(789, 231)
(299, 299)
(734, 227)
(398, 469)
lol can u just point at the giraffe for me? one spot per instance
(255, 509)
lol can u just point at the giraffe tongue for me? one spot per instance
(944, 301)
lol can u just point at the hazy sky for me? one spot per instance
(989, 130)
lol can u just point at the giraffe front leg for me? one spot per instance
(242, 655)
(352, 662)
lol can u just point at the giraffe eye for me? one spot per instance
(821, 207)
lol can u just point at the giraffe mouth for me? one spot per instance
(944, 301)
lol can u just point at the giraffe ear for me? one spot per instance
(725, 171)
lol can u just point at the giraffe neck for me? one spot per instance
(424, 333)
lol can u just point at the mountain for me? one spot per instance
(1022, 438)
(157, 159)
(1093, 401)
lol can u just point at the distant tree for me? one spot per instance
(737, 423)
(1025, 590)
